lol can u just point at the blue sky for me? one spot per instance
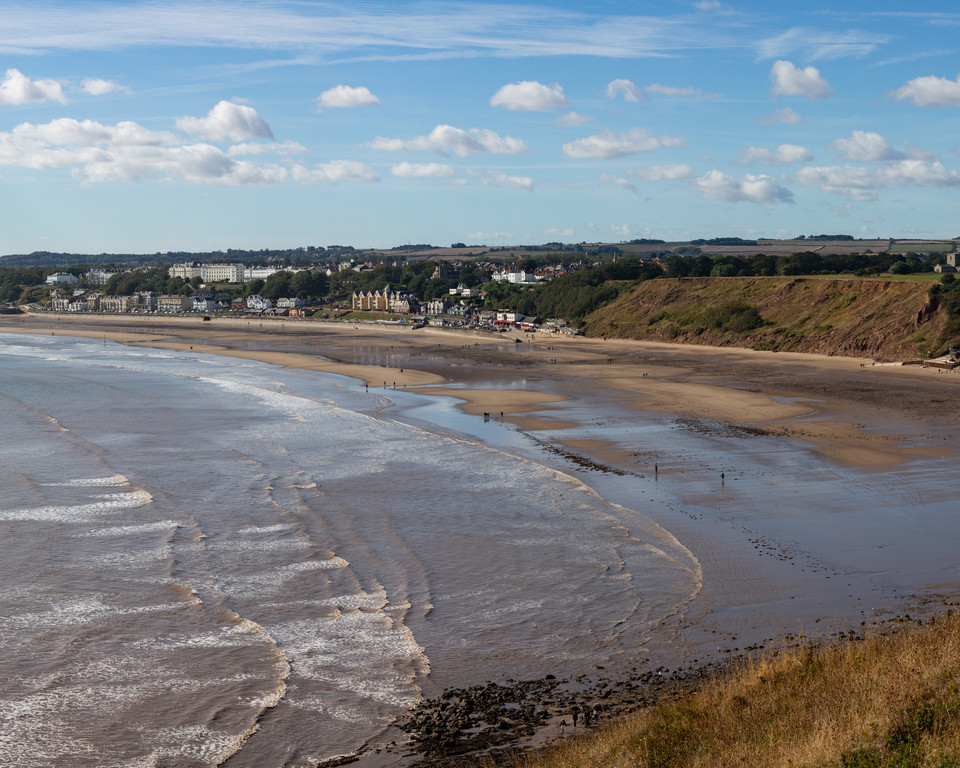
(162, 126)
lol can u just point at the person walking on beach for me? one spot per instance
(563, 725)
(574, 714)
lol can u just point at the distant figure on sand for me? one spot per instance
(722, 477)
(575, 714)
(563, 726)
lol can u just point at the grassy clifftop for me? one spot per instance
(883, 319)
(862, 703)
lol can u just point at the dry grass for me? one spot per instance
(880, 701)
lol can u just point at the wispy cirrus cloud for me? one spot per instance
(820, 44)
(417, 31)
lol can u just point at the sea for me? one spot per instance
(210, 561)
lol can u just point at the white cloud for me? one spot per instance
(861, 183)
(500, 179)
(557, 232)
(277, 148)
(485, 237)
(445, 139)
(129, 152)
(819, 44)
(749, 188)
(786, 116)
(529, 96)
(625, 88)
(782, 155)
(712, 5)
(98, 87)
(618, 181)
(623, 230)
(607, 144)
(227, 122)
(865, 146)
(346, 97)
(930, 91)
(573, 119)
(422, 170)
(790, 80)
(16, 88)
(664, 172)
(345, 170)
(669, 90)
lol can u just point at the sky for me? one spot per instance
(143, 127)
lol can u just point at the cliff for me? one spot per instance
(881, 319)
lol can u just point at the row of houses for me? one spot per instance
(148, 301)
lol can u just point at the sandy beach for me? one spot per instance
(848, 409)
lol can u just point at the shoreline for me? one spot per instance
(847, 417)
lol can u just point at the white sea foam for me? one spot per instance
(113, 480)
(107, 504)
(131, 530)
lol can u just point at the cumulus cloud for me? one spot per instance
(865, 146)
(129, 152)
(782, 155)
(529, 96)
(445, 139)
(749, 188)
(16, 88)
(712, 5)
(618, 181)
(227, 121)
(346, 97)
(98, 87)
(625, 88)
(861, 183)
(607, 144)
(786, 116)
(930, 91)
(573, 119)
(663, 172)
(422, 170)
(790, 80)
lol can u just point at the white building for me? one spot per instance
(257, 302)
(62, 278)
(258, 273)
(515, 277)
(186, 270)
(100, 276)
(222, 273)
